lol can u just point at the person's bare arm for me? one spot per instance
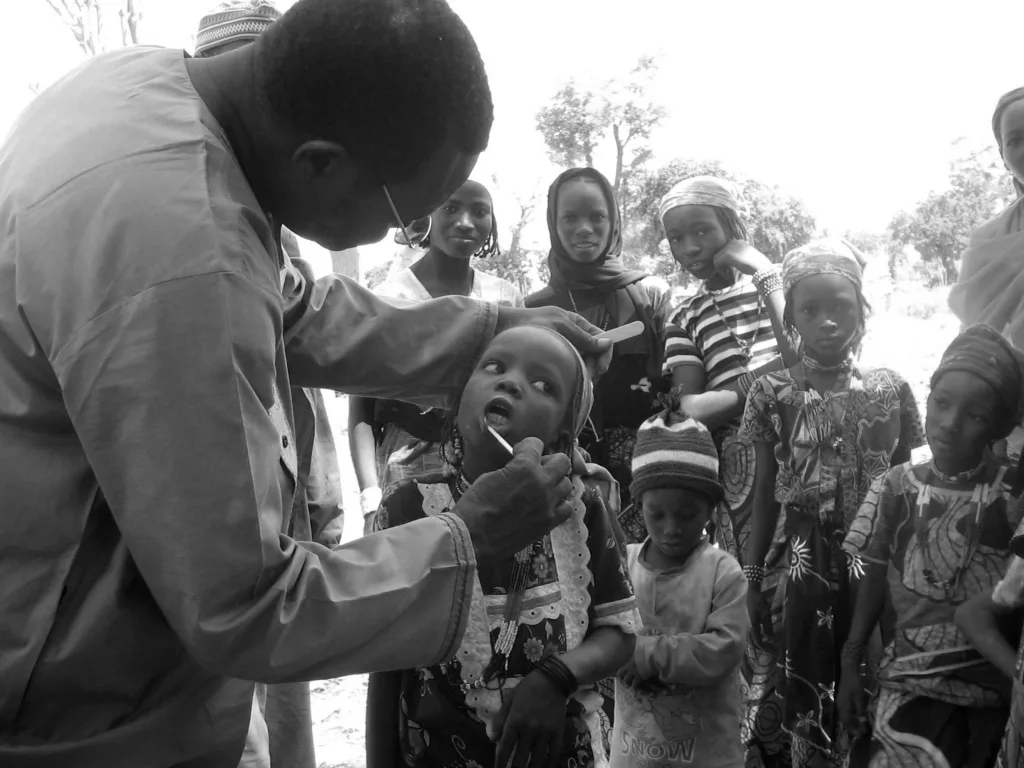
(361, 442)
(715, 407)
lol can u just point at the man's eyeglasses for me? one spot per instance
(394, 210)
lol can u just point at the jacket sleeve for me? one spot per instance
(341, 336)
(172, 395)
(707, 658)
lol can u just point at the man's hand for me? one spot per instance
(597, 353)
(515, 506)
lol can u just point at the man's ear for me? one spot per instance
(319, 160)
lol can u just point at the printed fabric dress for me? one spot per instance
(728, 333)
(829, 449)
(577, 582)
(940, 704)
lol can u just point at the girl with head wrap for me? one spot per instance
(545, 625)
(935, 534)
(990, 288)
(824, 430)
(588, 278)
(718, 342)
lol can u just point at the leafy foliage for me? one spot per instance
(940, 227)
(579, 119)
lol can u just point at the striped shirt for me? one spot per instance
(699, 333)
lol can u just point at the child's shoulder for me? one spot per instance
(883, 378)
(723, 562)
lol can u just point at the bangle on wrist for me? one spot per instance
(746, 382)
(852, 653)
(754, 573)
(558, 673)
(369, 500)
(767, 280)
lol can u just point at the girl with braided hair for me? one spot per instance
(388, 439)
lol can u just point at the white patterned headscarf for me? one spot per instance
(702, 190)
(232, 21)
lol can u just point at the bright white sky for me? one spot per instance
(850, 106)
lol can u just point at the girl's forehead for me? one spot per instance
(1012, 119)
(964, 385)
(536, 344)
(683, 216)
(471, 192)
(581, 191)
(825, 285)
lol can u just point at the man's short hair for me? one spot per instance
(391, 80)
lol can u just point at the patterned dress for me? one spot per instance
(710, 330)
(1010, 593)
(829, 449)
(940, 704)
(577, 582)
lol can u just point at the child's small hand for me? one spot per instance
(741, 256)
(531, 722)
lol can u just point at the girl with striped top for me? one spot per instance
(717, 343)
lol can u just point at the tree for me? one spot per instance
(86, 20)
(776, 222)
(940, 227)
(578, 119)
(515, 263)
(868, 242)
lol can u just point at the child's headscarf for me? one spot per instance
(827, 256)
(984, 352)
(1017, 94)
(586, 400)
(605, 275)
(702, 190)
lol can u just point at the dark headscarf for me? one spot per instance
(1017, 94)
(604, 276)
(984, 352)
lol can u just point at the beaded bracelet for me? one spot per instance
(754, 573)
(767, 281)
(558, 673)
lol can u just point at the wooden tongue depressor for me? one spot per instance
(623, 332)
(501, 440)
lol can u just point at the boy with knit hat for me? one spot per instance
(678, 700)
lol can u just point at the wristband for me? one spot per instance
(853, 652)
(754, 573)
(369, 500)
(767, 280)
(558, 673)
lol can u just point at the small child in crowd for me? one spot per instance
(935, 534)
(678, 699)
(545, 625)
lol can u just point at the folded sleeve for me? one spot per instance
(680, 349)
(171, 394)
(706, 658)
(341, 336)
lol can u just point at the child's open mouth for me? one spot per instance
(497, 413)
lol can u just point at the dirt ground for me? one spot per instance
(908, 332)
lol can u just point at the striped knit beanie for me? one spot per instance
(673, 451)
(232, 21)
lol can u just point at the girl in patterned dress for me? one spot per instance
(824, 430)
(936, 533)
(718, 342)
(545, 625)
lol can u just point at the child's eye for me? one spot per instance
(492, 367)
(543, 386)
(807, 310)
(450, 209)
(701, 232)
(569, 217)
